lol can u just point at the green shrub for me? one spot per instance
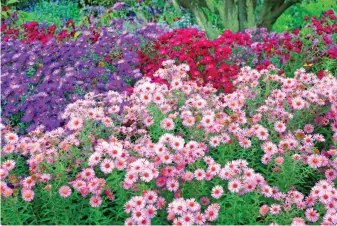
(56, 12)
(293, 17)
(106, 3)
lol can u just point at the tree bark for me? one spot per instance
(242, 14)
(229, 15)
(237, 15)
(272, 9)
(246, 14)
(196, 8)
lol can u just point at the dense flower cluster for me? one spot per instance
(33, 31)
(39, 79)
(218, 61)
(168, 137)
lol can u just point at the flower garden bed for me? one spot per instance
(139, 124)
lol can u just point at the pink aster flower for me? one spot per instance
(298, 221)
(172, 184)
(188, 176)
(331, 174)
(129, 222)
(138, 202)
(204, 201)
(314, 161)
(28, 182)
(200, 219)
(160, 203)
(150, 197)
(308, 128)
(148, 121)
(145, 98)
(8, 148)
(146, 175)
(275, 209)
(107, 121)
(88, 173)
(158, 98)
(95, 201)
(7, 192)
(65, 191)
(211, 213)
(150, 211)
(107, 166)
(266, 158)
(94, 159)
(245, 143)
(128, 207)
(11, 138)
(193, 205)
(267, 191)
(217, 192)
(269, 148)
(75, 124)
(262, 134)
(280, 127)
(199, 174)
(27, 195)
(178, 221)
(311, 215)
(167, 124)
(189, 121)
(264, 210)
(298, 103)
(308, 141)
(279, 160)
(79, 184)
(177, 143)
(3, 173)
(234, 185)
(215, 141)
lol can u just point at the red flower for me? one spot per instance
(70, 22)
(51, 29)
(296, 31)
(3, 27)
(332, 53)
(320, 74)
(32, 25)
(329, 12)
(5, 38)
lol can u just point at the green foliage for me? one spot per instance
(11, 2)
(155, 130)
(55, 12)
(293, 17)
(309, 52)
(48, 207)
(106, 3)
(147, 11)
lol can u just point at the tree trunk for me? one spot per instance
(237, 15)
(229, 15)
(271, 10)
(196, 8)
(246, 14)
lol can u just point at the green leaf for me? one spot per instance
(12, 2)
(77, 33)
(26, 16)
